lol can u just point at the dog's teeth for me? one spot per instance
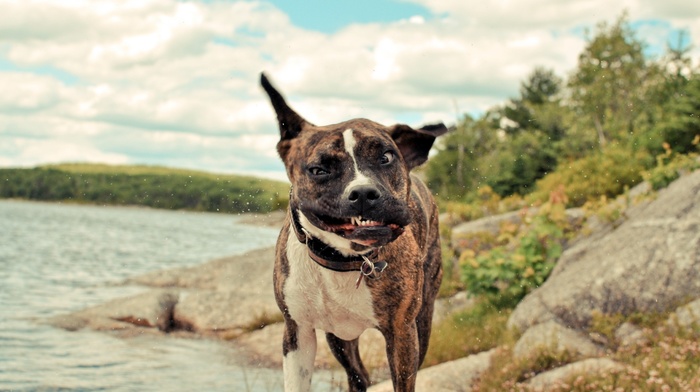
(359, 221)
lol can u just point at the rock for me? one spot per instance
(223, 295)
(629, 334)
(490, 225)
(250, 272)
(453, 376)
(554, 338)
(686, 317)
(648, 264)
(445, 307)
(153, 309)
(264, 347)
(209, 311)
(545, 381)
(642, 189)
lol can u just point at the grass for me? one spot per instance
(667, 359)
(103, 168)
(508, 374)
(151, 186)
(472, 331)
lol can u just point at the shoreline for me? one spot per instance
(269, 219)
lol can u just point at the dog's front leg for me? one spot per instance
(402, 352)
(299, 348)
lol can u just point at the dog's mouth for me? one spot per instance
(349, 225)
(360, 229)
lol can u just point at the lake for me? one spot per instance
(56, 258)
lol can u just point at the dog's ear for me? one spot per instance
(415, 144)
(290, 123)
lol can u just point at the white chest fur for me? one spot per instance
(325, 299)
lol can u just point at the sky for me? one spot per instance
(176, 83)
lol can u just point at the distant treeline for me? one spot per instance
(146, 186)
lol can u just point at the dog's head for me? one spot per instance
(350, 181)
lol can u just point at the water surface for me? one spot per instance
(58, 258)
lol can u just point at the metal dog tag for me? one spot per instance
(379, 267)
(370, 270)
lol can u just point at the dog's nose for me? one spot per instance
(364, 196)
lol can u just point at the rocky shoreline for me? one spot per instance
(228, 299)
(647, 262)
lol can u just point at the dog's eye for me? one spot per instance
(387, 158)
(317, 171)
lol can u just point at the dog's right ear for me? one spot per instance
(290, 123)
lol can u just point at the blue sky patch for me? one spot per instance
(45, 70)
(330, 16)
(657, 45)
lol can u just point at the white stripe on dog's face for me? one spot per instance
(359, 178)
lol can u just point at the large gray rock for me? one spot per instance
(686, 317)
(554, 338)
(453, 376)
(545, 381)
(207, 311)
(629, 334)
(249, 273)
(153, 309)
(649, 263)
(227, 295)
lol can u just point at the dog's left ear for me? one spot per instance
(415, 144)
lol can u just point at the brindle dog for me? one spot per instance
(360, 247)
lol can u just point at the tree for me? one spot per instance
(541, 88)
(682, 127)
(607, 89)
(454, 171)
(532, 125)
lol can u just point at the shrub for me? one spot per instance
(670, 165)
(605, 173)
(505, 274)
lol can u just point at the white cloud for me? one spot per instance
(173, 82)
(36, 152)
(26, 92)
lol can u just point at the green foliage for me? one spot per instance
(142, 185)
(514, 167)
(593, 133)
(606, 173)
(665, 360)
(508, 374)
(683, 118)
(454, 169)
(607, 89)
(505, 274)
(670, 165)
(539, 90)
